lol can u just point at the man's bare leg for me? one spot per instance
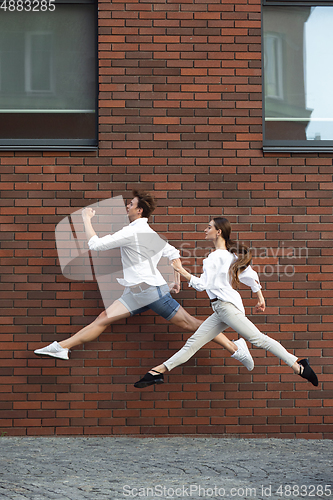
(114, 312)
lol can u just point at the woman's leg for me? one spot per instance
(205, 333)
(184, 320)
(228, 313)
(90, 332)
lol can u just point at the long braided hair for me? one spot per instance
(243, 253)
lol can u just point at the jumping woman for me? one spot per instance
(223, 269)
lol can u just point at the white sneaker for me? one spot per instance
(243, 354)
(55, 350)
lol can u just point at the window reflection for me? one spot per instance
(298, 73)
(48, 74)
(39, 62)
(273, 65)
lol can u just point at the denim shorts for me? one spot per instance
(156, 298)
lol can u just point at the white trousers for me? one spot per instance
(225, 315)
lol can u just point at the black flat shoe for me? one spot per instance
(150, 379)
(307, 372)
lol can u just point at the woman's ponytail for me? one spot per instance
(243, 253)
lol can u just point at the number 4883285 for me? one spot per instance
(27, 5)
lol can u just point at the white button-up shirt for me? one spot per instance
(216, 281)
(141, 250)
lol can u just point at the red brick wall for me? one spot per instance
(180, 114)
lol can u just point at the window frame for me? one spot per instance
(289, 146)
(62, 144)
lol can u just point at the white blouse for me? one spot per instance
(216, 281)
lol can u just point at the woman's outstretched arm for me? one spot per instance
(177, 265)
(260, 306)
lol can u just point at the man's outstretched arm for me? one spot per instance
(87, 214)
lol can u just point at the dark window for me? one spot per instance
(48, 77)
(298, 76)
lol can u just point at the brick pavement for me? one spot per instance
(159, 468)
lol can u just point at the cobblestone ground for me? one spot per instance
(164, 468)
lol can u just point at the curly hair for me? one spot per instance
(145, 201)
